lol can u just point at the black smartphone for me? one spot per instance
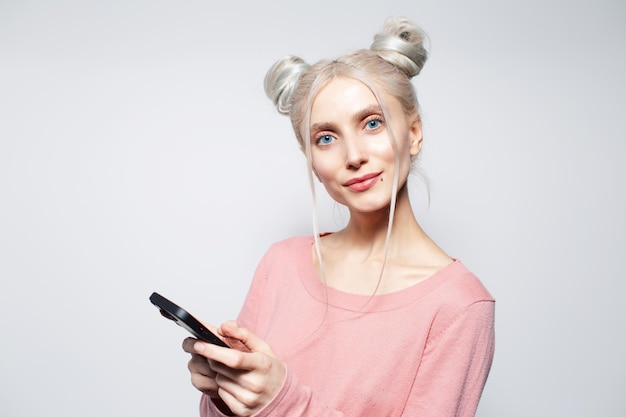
(181, 317)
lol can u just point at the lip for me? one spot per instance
(362, 183)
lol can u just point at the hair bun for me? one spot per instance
(401, 43)
(282, 79)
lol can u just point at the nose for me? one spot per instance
(356, 154)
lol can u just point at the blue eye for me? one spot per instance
(325, 140)
(373, 124)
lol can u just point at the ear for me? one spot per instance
(415, 136)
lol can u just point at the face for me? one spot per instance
(351, 146)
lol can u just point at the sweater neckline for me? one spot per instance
(366, 303)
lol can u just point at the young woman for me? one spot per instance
(374, 319)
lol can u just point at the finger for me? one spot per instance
(264, 375)
(231, 401)
(244, 399)
(205, 384)
(240, 401)
(211, 352)
(234, 359)
(200, 365)
(252, 342)
(202, 376)
(188, 345)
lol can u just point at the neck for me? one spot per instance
(370, 229)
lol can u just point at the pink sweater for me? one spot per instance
(424, 351)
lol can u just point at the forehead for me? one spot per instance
(345, 97)
(341, 93)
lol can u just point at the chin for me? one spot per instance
(370, 207)
(366, 202)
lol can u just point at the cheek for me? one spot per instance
(323, 172)
(404, 157)
(326, 164)
(387, 154)
(383, 151)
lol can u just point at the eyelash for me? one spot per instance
(375, 118)
(318, 139)
(370, 119)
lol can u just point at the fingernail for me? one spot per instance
(199, 347)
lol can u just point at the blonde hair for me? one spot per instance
(397, 54)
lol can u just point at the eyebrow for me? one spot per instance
(358, 116)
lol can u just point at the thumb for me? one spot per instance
(244, 339)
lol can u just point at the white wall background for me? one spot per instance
(138, 152)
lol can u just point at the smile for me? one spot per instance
(363, 183)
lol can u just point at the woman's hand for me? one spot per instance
(202, 376)
(245, 377)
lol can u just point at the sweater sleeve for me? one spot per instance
(455, 365)
(294, 399)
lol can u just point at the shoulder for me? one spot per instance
(461, 286)
(459, 295)
(281, 262)
(292, 245)
(292, 241)
(291, 250)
